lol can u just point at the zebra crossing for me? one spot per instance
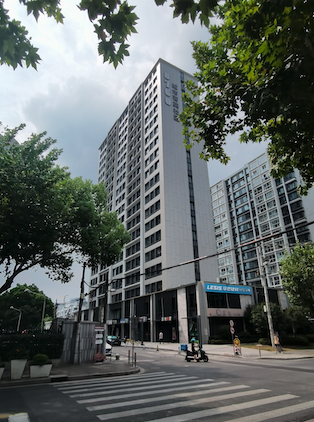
(170, 397)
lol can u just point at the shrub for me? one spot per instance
(264, 341)
(27, 345)
(40, 359)
(224, 333)
(310, 337)
(216, 341)
(246, 337)
(294, 341)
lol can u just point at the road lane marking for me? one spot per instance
(146, 393)
(225, 409)
(168, 397)
(19, 417)
(276, 413)
(138, 382)
(146, 387)
(110, 380)
(176, 405)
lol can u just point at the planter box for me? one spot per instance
(17, 368)
(40, 371)
(1, 371)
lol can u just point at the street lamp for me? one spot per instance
(44, 308)
(20, 316)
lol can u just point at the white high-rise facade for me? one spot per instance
(251, 208)
(160, 191)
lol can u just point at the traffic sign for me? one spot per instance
(236, 341)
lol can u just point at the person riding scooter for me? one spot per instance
(196, 354)
(194, 351)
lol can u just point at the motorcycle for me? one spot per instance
(199, 355)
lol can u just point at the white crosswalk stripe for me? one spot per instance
(167, 397)
(155, 399)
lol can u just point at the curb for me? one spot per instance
(64, 377)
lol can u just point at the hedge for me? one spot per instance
(294, 341)
(13, 346)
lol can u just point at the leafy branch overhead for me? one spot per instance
(113, 22)
(256, 79)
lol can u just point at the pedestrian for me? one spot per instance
(174, 335)
(277, 343)
(161, 337)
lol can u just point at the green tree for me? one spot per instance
(47, 218)
(30, 304)
(297, 272)
(297, 317)
(259, 319)
(256, 79)
(113, 22)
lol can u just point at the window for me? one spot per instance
(152, 209)
(152, 195)
(153, 287)
(153, 271)
(133, 263)
(132, 278)
(132, 293)
(155, 253)
(133, 249)
(152, 223)
(152, 182)
(154, 238)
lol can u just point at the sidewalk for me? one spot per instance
(112, 367)
(247, 353)
(68, 372)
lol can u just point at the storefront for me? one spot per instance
(225, 302)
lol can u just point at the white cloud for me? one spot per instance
(76, 98)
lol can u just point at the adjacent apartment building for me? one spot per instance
(248, 206)
(160, 191)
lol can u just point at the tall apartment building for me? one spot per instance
(160, 191)
(251, 205)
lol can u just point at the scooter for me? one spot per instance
(199, 355)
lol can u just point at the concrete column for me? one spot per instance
(182, 316)
(202, 311)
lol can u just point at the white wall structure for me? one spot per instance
(160, 191)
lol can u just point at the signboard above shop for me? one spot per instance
(228, 288)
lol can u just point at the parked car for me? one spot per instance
(114, 340)
(108, 349)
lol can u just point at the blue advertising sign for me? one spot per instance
(228, 288)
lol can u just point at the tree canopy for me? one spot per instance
(113, 22)
(47, 218)
(30, 304)
(297, 272)
(259, 319)
(256, 79)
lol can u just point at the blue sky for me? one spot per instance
(76, 98)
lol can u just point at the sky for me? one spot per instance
(76, 98)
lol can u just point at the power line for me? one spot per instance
(241, 245)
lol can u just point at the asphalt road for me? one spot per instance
(169, 389)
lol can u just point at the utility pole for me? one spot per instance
(264, 284)
(76, 326)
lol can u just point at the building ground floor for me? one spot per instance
(197, 311)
